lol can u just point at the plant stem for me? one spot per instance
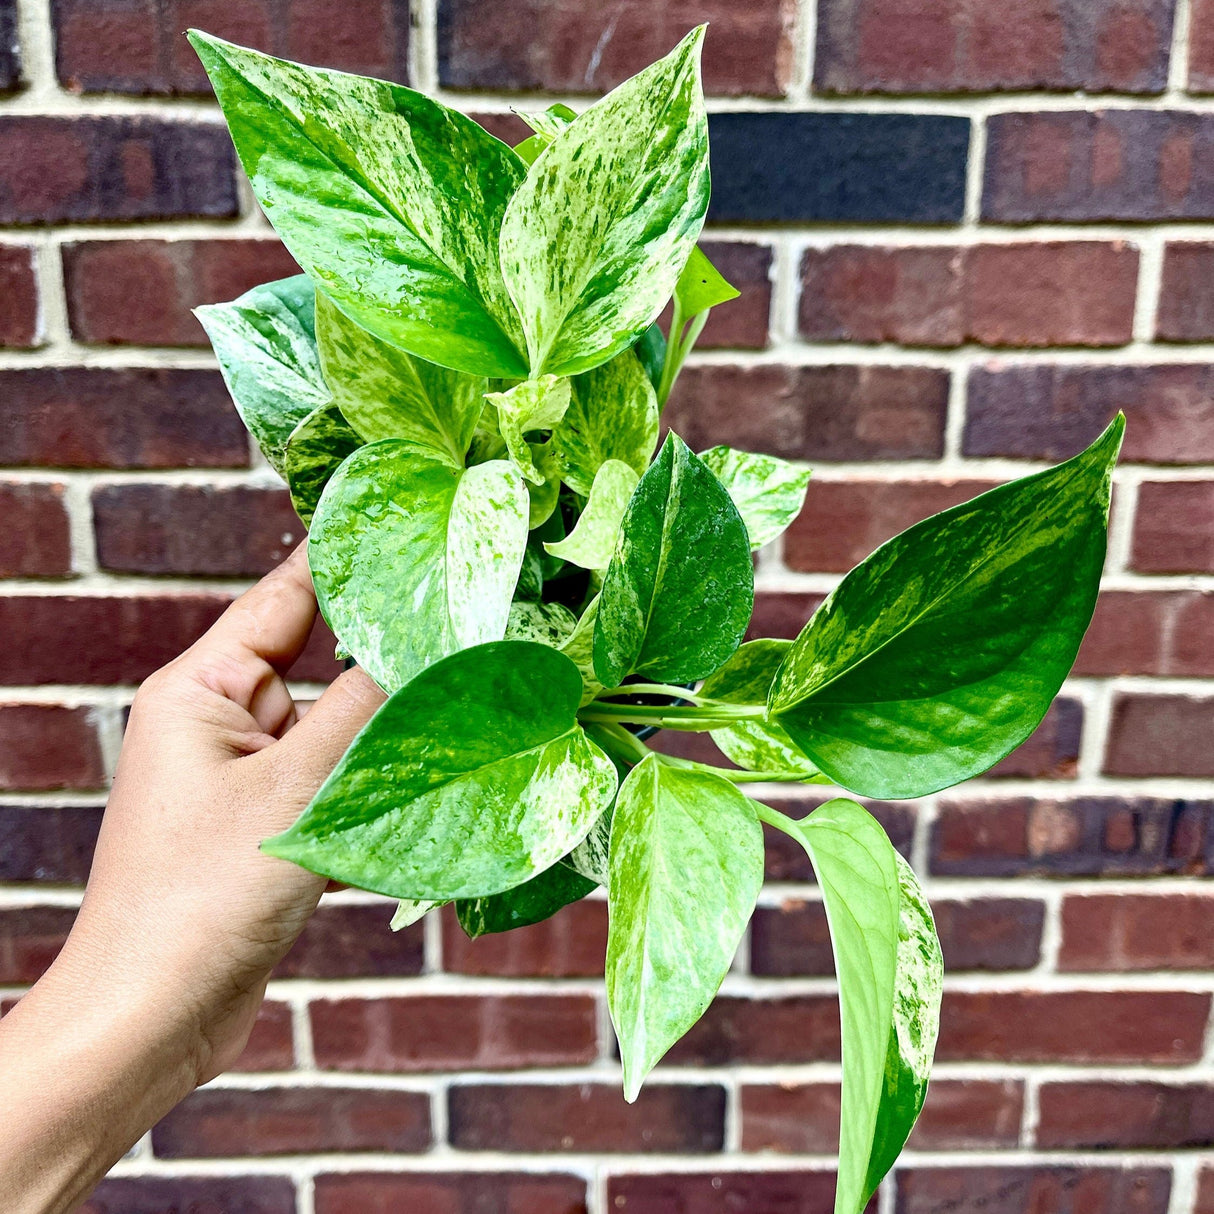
(619, 743)
(737, 776)
(673, 716)
(651, 689)
(773, 817)
(673, 359)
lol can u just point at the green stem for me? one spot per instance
(735, 776)
(773, 817)
(678, 345)
(673, 716)
(619, 743)
(651, 689)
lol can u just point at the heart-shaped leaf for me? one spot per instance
(468, 781)
(768, 492)
(592, 541)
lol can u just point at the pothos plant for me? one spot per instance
(463, 393)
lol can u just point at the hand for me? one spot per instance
(159, 984)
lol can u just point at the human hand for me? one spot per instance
(161, 978)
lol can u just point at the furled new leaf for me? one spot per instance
(701, 285)
(593, 241)
(887, 960)
(547, 125)
(535, 404)
(592, 541)
(686, 865)
(315, 450)
(413, 559)
(266, 345)
(679, 591)
(468, 781)
(385, 393)
(767, 491)
(532, 902)
(941, 652)
(390, 201)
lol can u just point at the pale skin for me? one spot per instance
(160, 981)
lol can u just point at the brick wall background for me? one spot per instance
(966, 234)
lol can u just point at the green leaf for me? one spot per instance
(413, 559)
(266, 345)
(745, 679)
(550, 122)
(650, 348)
(887, 960)
(686, 865)
(547, 493)
(532, 902)
(315, 450)
(594, 239)
(386, 393)
(678, 593)
(592, 541)
(579, 648)
(768, 492)
(941, 652)
(468, 781)
(535, 404)
(590, 857)
(701, 285)
(544, 623)
(613, 414)
(409, 911)
(390, 201)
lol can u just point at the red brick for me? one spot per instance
(30, 939)
(1174, 527)
(786, 859)
(1205, 1192)
(1161, 735)
(449, 1193)
(343, 941)
(959, 1114)
(36, 540)
(561, 46)
(141, 292)
(45, 746)
(677, 1119)
(781, 615)
(452, 1033)
(135, 46)
(1072, 1026)
(792, 1029)
(1186, 299)
(169, 1195)
(1051, 750)
(1201, 75)
(740, 324)
(571, 944)
(1130, 932)
(1152, 634)
(60, 170)
(10, 51)
(86, 417)
(820, 413)
(950, 46)
(199, 530)
(1082, 836)
(981, 934)
(1084, 1115)
(293, 1121)
(19, 312)
(720, 1192)
(51, 843)
(1016, 1189)
(271, 1045)
(1074, 293)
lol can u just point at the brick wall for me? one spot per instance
(967, 233)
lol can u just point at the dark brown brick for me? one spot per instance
(959, 1114)
(10, 51)
(36, 540)
(820, 413)
(86, 417)
(1072, 1026)
(720, 1192)
(904, 46)
(1121, 933)
(30, 939)
(561, 46)
(1016, 1189)
(676, 1119)
(781, 615)
(452, 1033)
(786, 859)
(1160, 735)
(1155, 634)
(571, 944)
(1174, 527)
(1085, 1115)
(141, 292)
(135, 46)
(1051, 751)
(742, 323)
(1201, 80)
(293, 1121)
(19, 323)
(1082, 836)
(46, 746)
(60, 170)
(200, 530)
(449, 1193)
(699, 747)
(170, 1195)
(1186, 296)
(271, 1045)
(1116, 164)
(1204, 1202)
(796, 1028)
(353, 942)
(1052, 411)
(51, 843)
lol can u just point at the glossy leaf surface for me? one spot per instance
(592, 541)
(544, 623)
(593, 241)
(768, 492)
(678, 593)
(468, 781)
(532, 902)
(313, 453)
(941, 652)
(686, 865)
(358, 177)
